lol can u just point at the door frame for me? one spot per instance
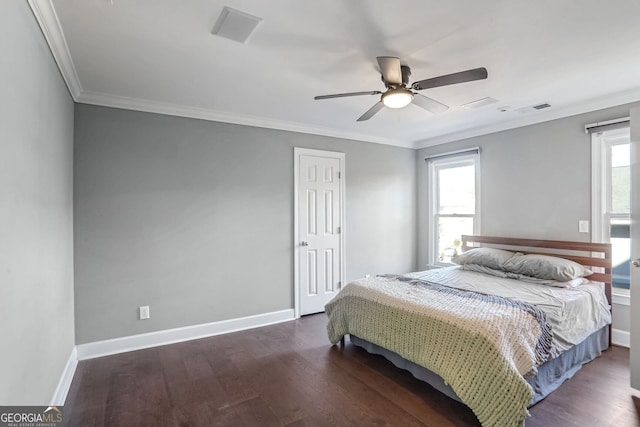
(297, 152)
(634, 351)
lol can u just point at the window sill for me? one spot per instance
(621, 298)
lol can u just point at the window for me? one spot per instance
(453, 203)
(612, 199)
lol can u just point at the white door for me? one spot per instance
(319, 230)
(635, 248)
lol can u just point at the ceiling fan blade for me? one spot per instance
(429, 104)
(451, 79)
(390, 69)
(342, 95)
(371, 111)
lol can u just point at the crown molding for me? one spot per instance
(47, 18)
(136, 104)
(588, 106)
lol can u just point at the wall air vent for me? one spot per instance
(235, 25)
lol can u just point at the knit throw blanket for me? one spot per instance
(483, 346)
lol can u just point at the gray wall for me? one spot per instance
(195, 218)
(535, 182)
(622, 317)
(36, 222)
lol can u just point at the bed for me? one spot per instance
(487, 335)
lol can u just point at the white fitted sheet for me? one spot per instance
(574, 313)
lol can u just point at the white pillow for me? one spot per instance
(570, 283)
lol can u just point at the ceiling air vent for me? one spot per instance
(479, 103)
(532, 108)
(235, 25)
(541, 106)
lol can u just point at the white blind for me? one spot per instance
(475, 150)
(607, 125)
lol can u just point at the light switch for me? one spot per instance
(144, 312)
(583, 226)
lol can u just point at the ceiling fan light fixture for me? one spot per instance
(397, 98)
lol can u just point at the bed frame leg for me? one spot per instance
(342, 341)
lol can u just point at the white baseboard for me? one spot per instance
(60, 395)
(621, 338)
(170, 336)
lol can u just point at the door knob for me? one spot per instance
(303, 243)
(636, 262)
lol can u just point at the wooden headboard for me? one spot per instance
(595, 256)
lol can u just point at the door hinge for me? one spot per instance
(339, 175)
(339, 230)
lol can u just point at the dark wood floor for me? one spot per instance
(289, 375)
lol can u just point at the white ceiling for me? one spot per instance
(160, 55)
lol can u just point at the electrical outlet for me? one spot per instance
(583, 226)
(144, 312)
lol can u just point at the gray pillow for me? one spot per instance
(487, 257)
(546, 267)
(529, 279)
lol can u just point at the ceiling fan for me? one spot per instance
(396, 78)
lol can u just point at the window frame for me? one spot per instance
(601, 208)
(434, 165)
